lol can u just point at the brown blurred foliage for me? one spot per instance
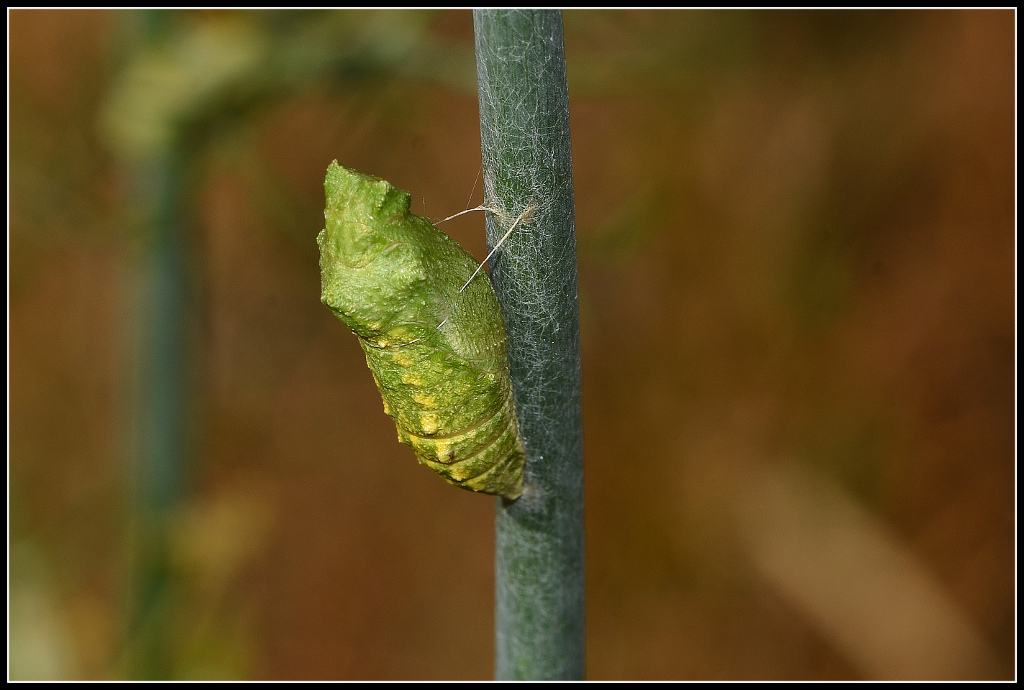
(796, 238)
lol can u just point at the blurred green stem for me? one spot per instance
(160, 471)
(158, 478)
(527, 160)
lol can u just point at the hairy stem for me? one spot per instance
(524, 126)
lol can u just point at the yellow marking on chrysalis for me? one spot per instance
(424, 399)
(428, 422)
(412, 380)
(440, 451)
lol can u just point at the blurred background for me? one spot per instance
(796, 252)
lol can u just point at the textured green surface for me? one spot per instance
(437, 355)
(527, 161)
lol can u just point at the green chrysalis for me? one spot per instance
(438, 355)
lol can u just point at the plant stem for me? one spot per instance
(158, 474)
(527, 161)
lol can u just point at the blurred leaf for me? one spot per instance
(224, 67)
